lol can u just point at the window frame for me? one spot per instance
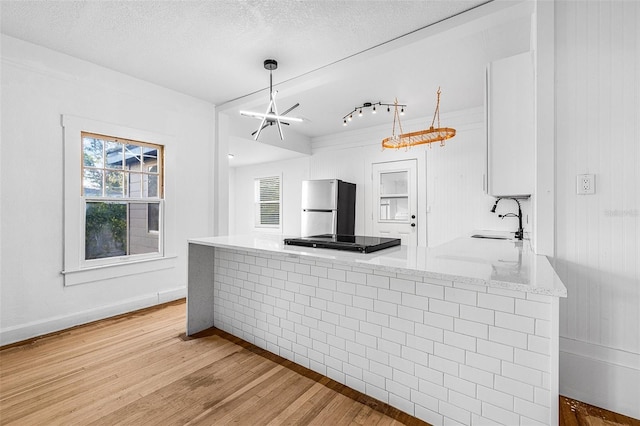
(258, 203)
(77, 270)
(128, 200)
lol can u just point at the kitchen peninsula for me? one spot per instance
(466, 331)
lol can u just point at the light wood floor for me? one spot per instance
(139, 368)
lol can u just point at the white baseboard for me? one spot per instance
(38, 328)
(600, 376)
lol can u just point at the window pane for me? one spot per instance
(140, 239)
(153, 217)
(133, 157)
(150, 157)
(394, 209)
(92, 183)
(270, 189)
(105, 230)
(92, 152)
(150, 186)
(135, 185)
(115, 156)
(270, 214)
(114, 184)
(394, 183)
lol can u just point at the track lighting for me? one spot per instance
(359, 110)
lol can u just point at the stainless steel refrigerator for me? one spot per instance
(328, 207)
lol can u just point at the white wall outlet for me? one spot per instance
(586, 184)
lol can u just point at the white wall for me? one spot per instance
(242, 195)
(38, 87)
(451, 198)
(598, 236)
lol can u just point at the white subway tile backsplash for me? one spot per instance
(379, 281)
(495, 350)
(456, 413)
(415, 301)
(508, 337)
(433, 389)
(428, 332)
(458, 295)
(367, 340)
(399, 363)
(460, 340)
(532, 359)
(396, 336)
(444, 365)
(365, 291)
(494, 397)
(450, 352)
(515, 322)
(514, 387)
(414, 355)
(475, 314)
(531, 410)
(500, 415)
(533, 309)
(382, 370)
(460, 385)
(429, 415)
(465, 402)
(352, 371)
(392, 348)
(470, 328)
(378, 318)
(410, 381)
(434, 291)
(402, 402)
(403, 285)
(538, 344)
(420, 344)
(390, 296)
(496, 302)
(336, 274)
(373, 378)
(443, 322)
(378, 393)
(356, 277)
(476, 375)
(449, 309)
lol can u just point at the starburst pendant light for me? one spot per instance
(428, 136)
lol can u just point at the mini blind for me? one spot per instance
(268, 201)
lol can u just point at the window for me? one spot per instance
(122, 192)
(267, 199)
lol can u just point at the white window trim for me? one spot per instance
(256, 223)
(75, 269)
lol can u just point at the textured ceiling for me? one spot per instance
(213, 50)
(332, 55)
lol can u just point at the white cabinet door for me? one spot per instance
(510, 126)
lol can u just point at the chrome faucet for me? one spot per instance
(520, 231)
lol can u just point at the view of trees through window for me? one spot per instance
(122, 189)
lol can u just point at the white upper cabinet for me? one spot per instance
(510, 125)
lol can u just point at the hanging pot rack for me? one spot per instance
(427, 136)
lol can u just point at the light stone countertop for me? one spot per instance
(507, 264)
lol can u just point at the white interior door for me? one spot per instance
(395, 200)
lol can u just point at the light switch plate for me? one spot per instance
(586, 184)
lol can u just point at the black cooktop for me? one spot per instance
(360, 243)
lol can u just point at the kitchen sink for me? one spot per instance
(490, 237)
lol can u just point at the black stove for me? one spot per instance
(359, 243)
